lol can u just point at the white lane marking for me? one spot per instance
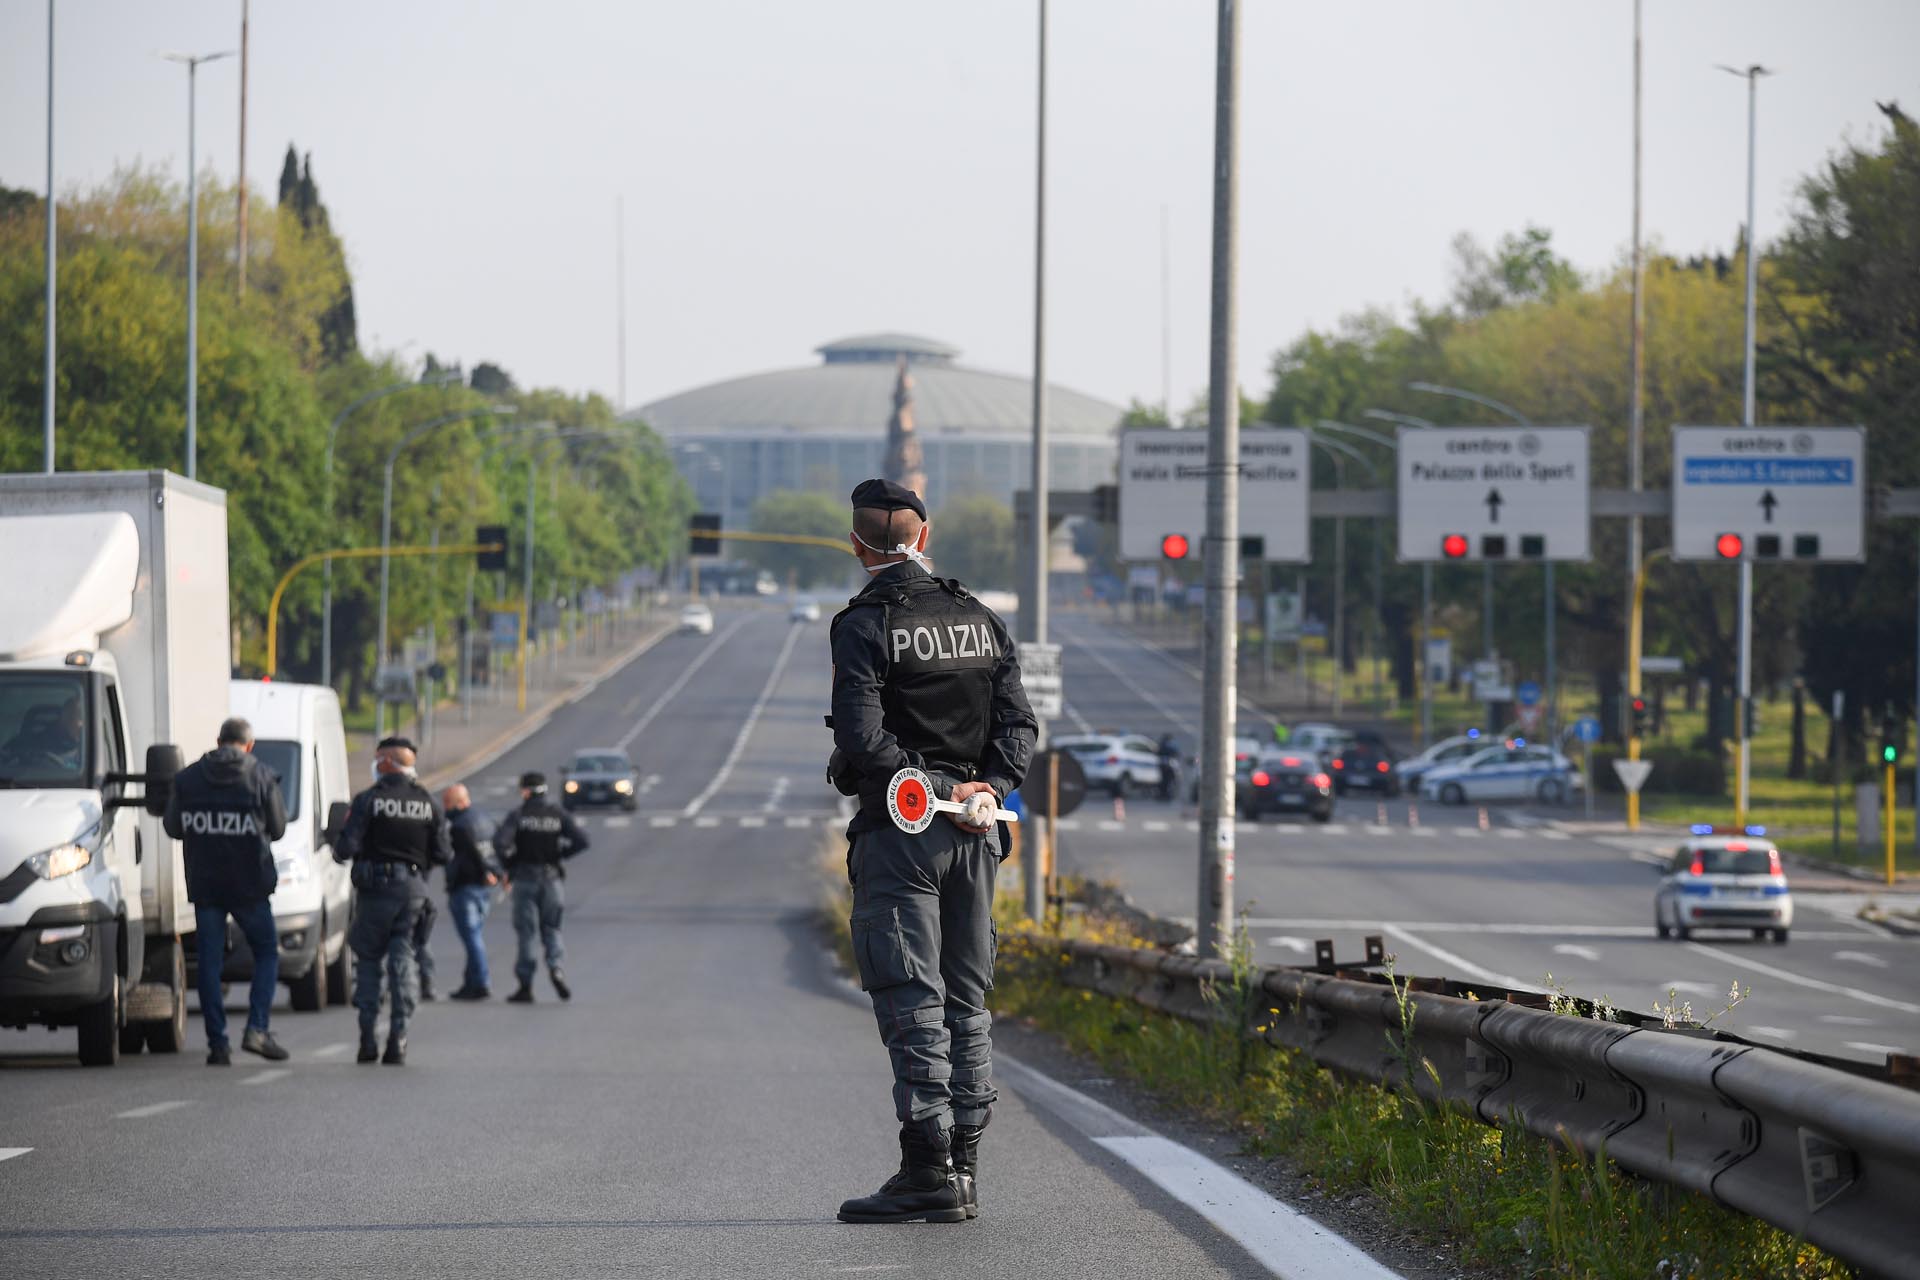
(706, 822)
(332, 1050)
(795, 824)
(1847, 1020)
(1548, 833)
(1422, 831)
(1277, 1236)
(1067, 824)
(1816, 984)
(8, 1153)
(1868, 1046)
(1174, 718)
(699, 802)
(777, 794)
(1687, 987)
(153, 1109)
(673, 690)
(268, 1076)
(1378, 829)
(1291, 943)
(618, 821)
(649, 782)
(658, 821)
(1575, 949)
(1773, 1033)
(1460, 966)
(1512, 833)
(1333, 829)
(753, 822)
(1156, 826)
(1108, 824)
(1080, 722)
(1516, 928)
(1860, 957)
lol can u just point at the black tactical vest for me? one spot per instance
(941, 647)
(400, 823)
(536, 836)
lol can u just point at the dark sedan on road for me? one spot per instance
(1285, 782)
(1365, 764)
(600, 775)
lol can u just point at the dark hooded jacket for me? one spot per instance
(226, 810)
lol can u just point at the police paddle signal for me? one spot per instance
(911, 804)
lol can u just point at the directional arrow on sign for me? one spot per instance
(1493, 506)
(1767, 503)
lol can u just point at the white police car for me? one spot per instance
(1122, 763)
(1444, 752)
(1510, 770)
(1724, 878)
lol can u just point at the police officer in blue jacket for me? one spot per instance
(925, 676)
(394, 832)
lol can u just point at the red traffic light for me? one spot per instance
(1639, 704)
(1453, 546)
(1729, 546)
(1174, 546)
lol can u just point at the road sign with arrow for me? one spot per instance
(1494, 493)
(1785, 493)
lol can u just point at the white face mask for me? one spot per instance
(377, 774)
(901, 549)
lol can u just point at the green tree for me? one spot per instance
(812, 514)
(972, 540)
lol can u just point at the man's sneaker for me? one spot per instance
(369, 1048)
(396, 1055)
(523, 996)
(262, 1042)
(560, 984)
(471, 993)
(217, 1056)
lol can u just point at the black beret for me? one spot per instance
(396, 741)
(533, 781)
(885, 495)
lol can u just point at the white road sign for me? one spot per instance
(1040, 676)
(1632, 773)
(1769, 493)
(1494, 493)
(1163, 492)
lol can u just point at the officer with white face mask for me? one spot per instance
(394, 832)
(533, 841)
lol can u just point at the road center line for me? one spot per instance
(152, 1109)
(1816, 984)
(746, 727)
(674, 689)
(1458, 965)
(265, 1077)
(8, 1153)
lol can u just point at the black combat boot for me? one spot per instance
(369, 1047)
(966, 1162)
(396, 1055)
(523, 996)
(560, 983)
(924, 1189)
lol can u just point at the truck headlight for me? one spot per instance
(624, 786)
(292, 872)
(61, 860)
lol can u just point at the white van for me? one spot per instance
(298, 734)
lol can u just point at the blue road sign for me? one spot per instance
(1529, 693)
(1587, 729)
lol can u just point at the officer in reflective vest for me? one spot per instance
(394, 832)
(924, 676)
(533, 841)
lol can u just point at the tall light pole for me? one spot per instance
(1373, 476)
(192, 63)
(46, 461)
(1752, 76)
(1033, 610)
(1636, 408)
(326, 566)
(1220, 631)
(386, 537)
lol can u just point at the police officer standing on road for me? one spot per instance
(394, 832)
(925, 676)
(532, 842)
(471, 878)
(227, 811)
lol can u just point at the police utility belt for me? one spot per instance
(374, 870)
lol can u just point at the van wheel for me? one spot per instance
(100, 1030)
(1779, 937)
(170, 1034)
(1453, 793)
(340, 976)
(309, 991)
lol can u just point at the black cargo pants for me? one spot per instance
(923, 940)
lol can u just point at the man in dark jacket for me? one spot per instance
(925, 677)
(533, 841)
(471, 878)
(393, 833)
(227, 811)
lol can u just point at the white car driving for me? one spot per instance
(1513, 770)
(697, 618)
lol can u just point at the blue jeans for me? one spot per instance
(470, 904)
(256, 923)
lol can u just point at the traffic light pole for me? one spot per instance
(1886, 799)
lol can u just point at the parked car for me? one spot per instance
(1446, 751)
(1724, 879)
(1284, 782)
(1122, 763)
(1513, 770)
(1323, 740)
(1365, 764)
(697, 618)
(600, 775)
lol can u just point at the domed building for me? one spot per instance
(823, 427)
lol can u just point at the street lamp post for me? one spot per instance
(386, 539)
(52, 264)
(192, 64)
(1373, 474)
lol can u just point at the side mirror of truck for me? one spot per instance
(336, 822)
(164, 761)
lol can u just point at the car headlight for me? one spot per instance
(624, 786)
(293, 871)
(572, 786)
(61, 860)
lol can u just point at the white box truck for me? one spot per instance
(114, 664)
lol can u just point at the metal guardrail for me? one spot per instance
(1818, 1151)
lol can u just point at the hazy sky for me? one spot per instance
(796, 172)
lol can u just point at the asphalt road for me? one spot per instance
(1503, 894)
(699, 1109)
